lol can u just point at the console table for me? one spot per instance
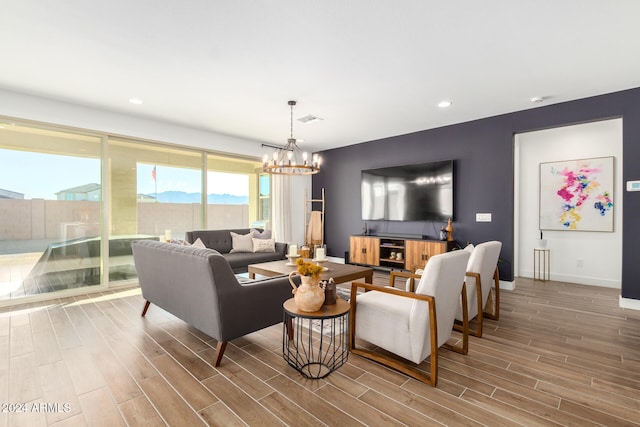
(382, 251)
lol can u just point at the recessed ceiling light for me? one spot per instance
(135, 101)
(537, 99)
(444, 104)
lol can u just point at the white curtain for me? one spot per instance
(281, 209)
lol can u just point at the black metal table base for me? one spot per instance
(315, 347)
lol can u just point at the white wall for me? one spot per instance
(590, 258)
(22, 106)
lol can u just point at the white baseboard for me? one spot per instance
(630, 303)
(337, 260)
(580, 280)
(509, 286)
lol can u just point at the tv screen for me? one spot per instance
(422, 192)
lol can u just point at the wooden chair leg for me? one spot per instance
(477, 332)
(496, 311)
(464, 328)
(145, 308)
(404, 367)
(407, 367)
(217, 358)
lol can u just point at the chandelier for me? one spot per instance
(290, 160)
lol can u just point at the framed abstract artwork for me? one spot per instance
(577, 195)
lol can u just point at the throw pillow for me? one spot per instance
(469, 247)
(241, 243)
(266, 234)
(198, 244)
(264, 245)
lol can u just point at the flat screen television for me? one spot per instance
(421, 192)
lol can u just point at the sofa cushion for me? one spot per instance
(220, 240)
(265, 234)
(264, 245)
(241, 243)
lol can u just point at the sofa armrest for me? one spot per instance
(281, 248)
(255, 305)
(269, 285)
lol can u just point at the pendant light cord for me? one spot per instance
(291, 104)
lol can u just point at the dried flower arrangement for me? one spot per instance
(308, 268)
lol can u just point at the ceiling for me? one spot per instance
(369, 69)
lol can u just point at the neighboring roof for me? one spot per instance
(8, 194)
(86, 188)
(145, 197)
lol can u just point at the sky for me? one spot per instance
(188, 180)
(40, 176)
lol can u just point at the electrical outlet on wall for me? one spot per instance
(483, 217)
(579, 263)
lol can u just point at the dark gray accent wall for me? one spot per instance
(483, 151)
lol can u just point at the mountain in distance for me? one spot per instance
(183, 197)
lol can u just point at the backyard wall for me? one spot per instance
(55, 220)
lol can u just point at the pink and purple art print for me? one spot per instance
(577, 195)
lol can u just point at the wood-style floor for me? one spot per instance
(561, 354)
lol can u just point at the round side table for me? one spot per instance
(316, 343)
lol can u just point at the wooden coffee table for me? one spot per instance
(340, 272)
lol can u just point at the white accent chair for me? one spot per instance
(412, 325)
(482, 270)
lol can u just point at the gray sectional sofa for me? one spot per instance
(221, 241)
(198, 286)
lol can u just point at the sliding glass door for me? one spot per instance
(71, 203)
(50, 210)
(232, 193)
(155, 193)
